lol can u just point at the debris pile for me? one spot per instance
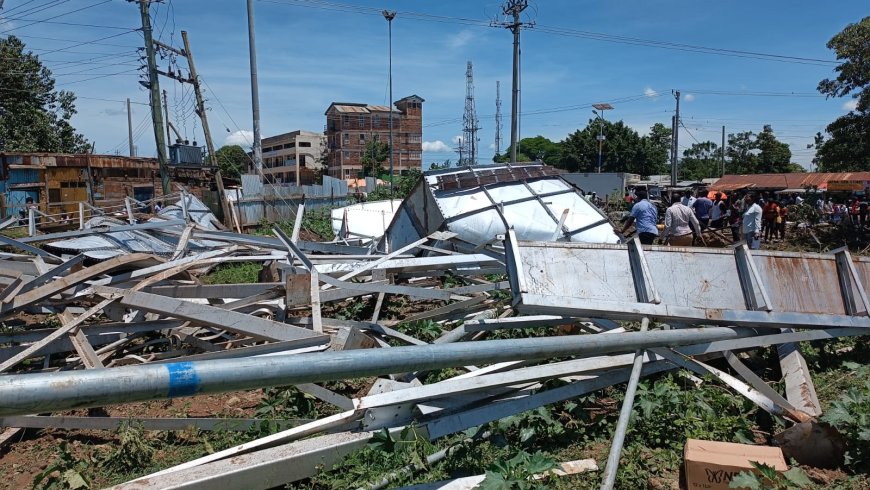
(136, 321)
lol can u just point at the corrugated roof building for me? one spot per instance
(795, 181)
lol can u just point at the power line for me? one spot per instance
(13, 9)
(567, 32)
(75, 24)
(77, 40)
(55, 17)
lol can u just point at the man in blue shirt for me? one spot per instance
(702, 206)
(646, 215)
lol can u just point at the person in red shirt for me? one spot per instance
(769, 214)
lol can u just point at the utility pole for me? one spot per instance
(675, 159)
(497, 117)
(154, 87)
(514, 8)
(470, 122)
(390, 15)
(257, 147)
(722, 150)
(206, 131)
(130, 129)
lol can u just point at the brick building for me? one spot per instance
(351, 126)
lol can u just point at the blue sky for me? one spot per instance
(313, 52)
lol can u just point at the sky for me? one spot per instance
(575, 53)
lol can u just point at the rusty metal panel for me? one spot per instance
(697, 280)
(802, 284)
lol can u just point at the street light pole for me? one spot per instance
(390, 15)
(600, 137)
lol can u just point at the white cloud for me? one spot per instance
(649, 92)
(690, 97)
(850, 105)
(243, 138)
(460, 39)
(436, 146)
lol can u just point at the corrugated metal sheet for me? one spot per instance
(23, 176)
(785, 181)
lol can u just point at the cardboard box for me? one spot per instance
(710, 465)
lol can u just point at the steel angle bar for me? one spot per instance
(215, 317)
(292, 248)
(643, 283)
(850, 283)
(21, 245)
(758, 384)
(53, 273)
(113, 423)
(532, 321)
(750, 280)
(297, 222)
(213, 291)
(414, 292)
(618, 310)
(333, 423)
(474, 417)
(23, 394)
(624, 414)
(14, 287)
(266, 468)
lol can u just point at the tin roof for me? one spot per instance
(786, 181)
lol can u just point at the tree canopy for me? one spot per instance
(34, 117)
(538, 148)
(624, 150)
(232, 160)
(376, 153)
(847, 147)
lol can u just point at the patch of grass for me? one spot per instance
(243, 272)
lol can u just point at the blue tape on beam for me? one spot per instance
(183, 380)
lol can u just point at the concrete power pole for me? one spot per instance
(257, 147)
(722, 150)
(154, 87)
(675, 158)
(206, 131)
(514, 8)
(497, 117)
(130, 129)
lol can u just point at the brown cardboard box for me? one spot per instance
(710, 465)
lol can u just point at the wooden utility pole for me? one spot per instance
(200, 111)
(154, 87)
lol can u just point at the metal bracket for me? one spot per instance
(849, 283)
(643, 284)
(750, 280)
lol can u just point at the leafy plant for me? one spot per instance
(534, 425)
(244, 272)
(519, 472)
(851, 416)
(65, 472)
(285, 403)
(132, 452)
(768, 478)
(426, 330)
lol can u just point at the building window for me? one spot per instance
(345, 156)
(362, 138)
(414, 155)
(290, 145)
(376, 121)
(345, 119)
(362, 121)
(304, 144)
(415, 138)
(345, 138)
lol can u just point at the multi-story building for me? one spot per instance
(281, 154)
(352, 126)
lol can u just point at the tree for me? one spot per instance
(774, 156)
(232, 160)
(701, 161)
(34, 117)
(848, 145)
(741, 153)
(624, 149)
(538, 148)
(376, 153)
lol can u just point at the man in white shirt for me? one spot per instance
(751, 222)
(688, 199)
(680, 222)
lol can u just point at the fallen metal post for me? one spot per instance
(46, 392)
(624, 416)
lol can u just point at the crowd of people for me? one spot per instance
(750, 217)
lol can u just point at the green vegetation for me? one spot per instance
(768, 478)
(233, 273)
(34, 117)
(232, 160)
